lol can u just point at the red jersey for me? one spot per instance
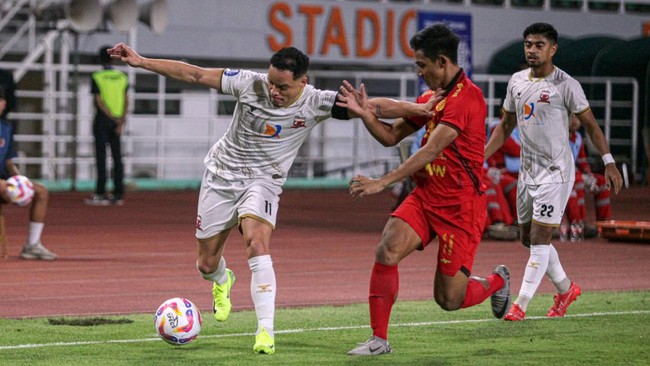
(455, 175)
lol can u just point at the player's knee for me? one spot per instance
(256, 248)
(448, 303)
(384, 254)
(206, 266)
(40, 192)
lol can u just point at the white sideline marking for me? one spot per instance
(322, 329)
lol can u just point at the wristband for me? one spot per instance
(608, 159)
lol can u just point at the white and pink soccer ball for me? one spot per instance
(20, 189)
(178, 321)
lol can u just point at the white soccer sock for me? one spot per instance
(263, 291)
(35, 231)
(556, 273)
(219, 276)
(535, 270)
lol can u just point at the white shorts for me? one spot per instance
(223, 204)
(544, 203)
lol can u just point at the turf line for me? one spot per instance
(320, 329)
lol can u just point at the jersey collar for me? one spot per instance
(534, 79)
(459, 75)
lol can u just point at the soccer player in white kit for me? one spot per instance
(539, 100)
(246, 168)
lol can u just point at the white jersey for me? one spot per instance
(263, 140)
(542, 107)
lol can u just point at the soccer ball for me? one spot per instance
(178, 321)
(20, 189)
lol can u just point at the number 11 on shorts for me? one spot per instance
(268, 207)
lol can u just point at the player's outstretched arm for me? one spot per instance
(169, 68)
(357, 103)
(440, 138)
(391, 108)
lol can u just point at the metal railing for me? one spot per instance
(169, 133)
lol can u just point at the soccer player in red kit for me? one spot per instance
(448, 201)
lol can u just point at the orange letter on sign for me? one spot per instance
(390, 29)
(311, 12)
(335, 33)
(403, 27)
(370, 15)
(280, 26)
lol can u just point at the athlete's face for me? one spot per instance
(432, 71)
(3, 104)
(539, 50)
(283, 89)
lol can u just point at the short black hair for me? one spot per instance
(436, 40)
(291, 59)
(3, 92)
(104, 57)
(544, 29)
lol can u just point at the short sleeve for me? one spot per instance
(576, 101)
(234, 81)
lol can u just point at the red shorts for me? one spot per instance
(459, 229)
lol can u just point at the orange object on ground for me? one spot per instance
(624, 230)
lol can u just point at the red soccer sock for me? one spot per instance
(476, 292)
(384, 285)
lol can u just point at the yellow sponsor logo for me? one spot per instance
(533, 264)
(264, 288)
(435, 169)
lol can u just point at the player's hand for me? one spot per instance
(356, 101)
(427, 108)
(361, 186)
(125, 54)
(613, 177)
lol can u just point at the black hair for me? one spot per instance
(436, 40)
(291, 59)
(3, 92)
(544, 29)
(104, 57)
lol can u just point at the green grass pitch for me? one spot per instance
(601, 328)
